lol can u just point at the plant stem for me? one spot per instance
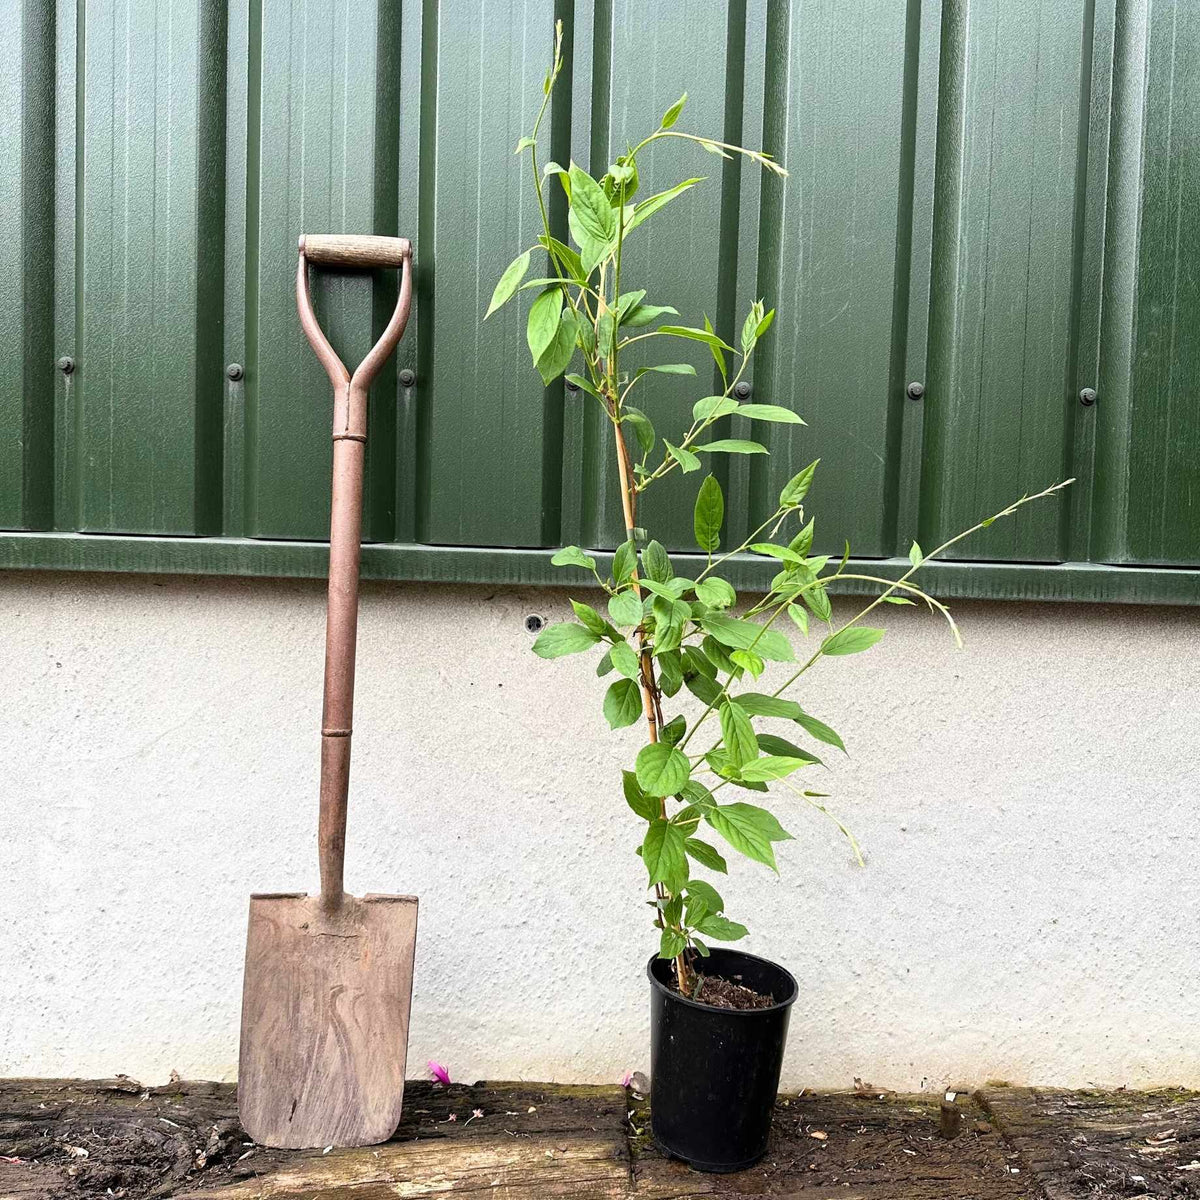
(649, 684)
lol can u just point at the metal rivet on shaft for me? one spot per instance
(572, 386)
(742, 390)
(66, 364)
(915, 390)
(407, 377)
(1087, 397)
(235, 371)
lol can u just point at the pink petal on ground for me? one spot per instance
(438, 1071)
(625, 1079)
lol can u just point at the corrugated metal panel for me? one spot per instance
(995, 198)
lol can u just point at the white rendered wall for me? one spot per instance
(1029, 808)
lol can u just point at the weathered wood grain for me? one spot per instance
(325, 1007)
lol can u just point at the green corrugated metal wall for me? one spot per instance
(999, 199)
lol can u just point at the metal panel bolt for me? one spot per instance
(571, 386)
(407, 377)
(742, 390)
(1087, 397)
(235, 371)
(66, 364)
(915, 390)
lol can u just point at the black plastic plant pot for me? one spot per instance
(714, 1072)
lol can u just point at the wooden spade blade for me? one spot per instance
(325, 1005)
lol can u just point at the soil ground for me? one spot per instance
(70, 1138)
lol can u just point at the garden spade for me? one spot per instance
(328, 981)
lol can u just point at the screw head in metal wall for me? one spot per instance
(235, 371)
(1087, 397)
(407, 377)
(66, 364)
(742, 390)
(572, 386)
(915, 390)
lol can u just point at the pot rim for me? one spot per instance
(676, 998)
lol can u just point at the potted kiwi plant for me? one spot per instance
(718, 1017)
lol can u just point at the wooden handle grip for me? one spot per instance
(355, 250)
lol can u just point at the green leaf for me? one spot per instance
(704, 893)
(670, 617)
(543, 321)
(557, 354)
(851, 640)
(695, 335)
(506, 288)
(670, 671)
(590, 207)
(716, 592)
(671, 732)
(797, 487)
(897, 600)
(642, 314)
(641, 427)
(703, 688)
(667, 369)
(817, 599)
(661, 770)
(772, 766)
(624, 561)
(770, 412)
(622, 703)
(740, 743)
(604, 666)
(564, 638)
(657, 563)
(748, 661)
(705, 855)
(768, 743)
(771, 550)
(717, 353)
(800, 616)
(672, 113)
(664, 856)
(820, 731)
(586, 384)
(685, 458)
(625, 609)
(714, 406)
(749, 830)
(709, 514)
(914, 555)
(758, 705)
(625, 659)
(560, 249)
(721, 928)
(573, 556)
(645, 806)
(590, 617)
(648, 207)
(733, 446)
(764, 324)
(524, 144)
(672, 944)
(746, 635)
(802, 542)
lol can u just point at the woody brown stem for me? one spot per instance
(649, 683)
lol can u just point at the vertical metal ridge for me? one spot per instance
(426, 298)
(1083, 332)
(945, 261)
(769, 266)
(253, 265)
(899, 364)
(411, 183)
(1118, 321)
(26, 281)
(379, 499)
(554, 400)
(208, 384)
